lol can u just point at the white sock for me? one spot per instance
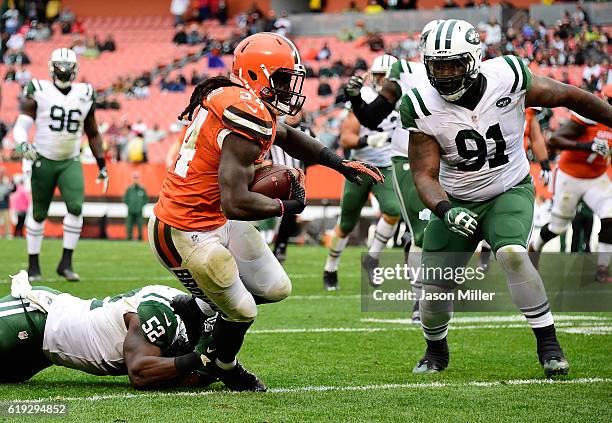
(605, 254)
(34, 234)
(383, 232)
(333, 258)
(72, 230)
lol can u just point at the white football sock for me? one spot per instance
(383, 232)
(333, 258)
(414, 263)
(605, 254)
(72, 230)
(34, 234)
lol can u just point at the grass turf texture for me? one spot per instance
(359, 372)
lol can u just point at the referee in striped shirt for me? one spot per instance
(278, 156)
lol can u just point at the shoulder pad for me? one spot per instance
(241, 112)
(157, 321)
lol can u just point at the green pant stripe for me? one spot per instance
(400, 197)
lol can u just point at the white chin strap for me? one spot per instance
(455, 96)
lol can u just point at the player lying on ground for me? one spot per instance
(582, 175)
(373, 147)
(144, 333)
(60, 110)
(200, 230)
(470, 169)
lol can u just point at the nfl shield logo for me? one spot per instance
(23, 335)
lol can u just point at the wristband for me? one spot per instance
(101, 162)
(292, 206)
(187, 363)
(584, 146)
(442, 207)
(363, 141)
(282, 206)
(545, 165)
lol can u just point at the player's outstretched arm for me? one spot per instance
(25, 120)
(97, 146)
(235, 174)
(372, 114)
(424, 154)
(305, 148)
(547, 92)
(564, 137)
(146, 367)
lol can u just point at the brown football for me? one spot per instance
(273, 181)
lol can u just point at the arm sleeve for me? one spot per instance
(371, 114)
(21, 128)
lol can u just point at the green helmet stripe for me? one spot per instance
(439, 34)
(449, 33)
(514, 70)
(421, 102)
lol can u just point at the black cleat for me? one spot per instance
(237, 379)
(281, 253)
(67, 273)
(34, 269)
(34, 277)
(435, 359)
(330, 281)
(370, 263)
(552, 359)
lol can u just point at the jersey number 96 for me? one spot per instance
(71, 121)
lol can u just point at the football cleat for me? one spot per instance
(370, 263)
(34, 276)
(552, 358)
(330, 281)
(281, 253)
(555, 366)
(603, 274)
(237, 379)
(435, 360)
(68, 274)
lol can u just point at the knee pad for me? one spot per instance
(279, 290)
(558, 224)
(605, 234)
(243, 311)
(512, 257)
(213, 262)
(74, 207)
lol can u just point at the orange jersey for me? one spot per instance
(190, 198)
(529, 114)
(586, 164)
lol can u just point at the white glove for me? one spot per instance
(600, 146)
(377, 139)
(28, 151)
(103, 178)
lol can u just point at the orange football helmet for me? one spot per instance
(269, 64)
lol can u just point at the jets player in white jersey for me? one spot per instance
(403, 76)
(61, 110)
(149, 334)
(372, 146)
(470, 169)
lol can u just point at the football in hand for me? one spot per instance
(273, 181)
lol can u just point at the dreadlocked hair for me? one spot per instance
(201, 91)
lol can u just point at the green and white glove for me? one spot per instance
(28, 151)
(461, 221)
(375, 140)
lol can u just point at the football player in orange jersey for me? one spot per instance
(582, 175)
(534, 138)
(200, 229)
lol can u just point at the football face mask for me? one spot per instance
(286, 89)
(63, 73)
(450, 75)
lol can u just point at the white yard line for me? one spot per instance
(298, 389)
(493, 318)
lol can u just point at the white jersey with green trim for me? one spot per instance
(407, 75)
(59, 117)
(380, 157)
(88, 335)
(482, 149)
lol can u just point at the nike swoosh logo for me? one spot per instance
(254, 110)
(210, 350)
(167, 321)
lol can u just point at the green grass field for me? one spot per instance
(323, 359)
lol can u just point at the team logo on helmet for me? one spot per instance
(472, 36)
